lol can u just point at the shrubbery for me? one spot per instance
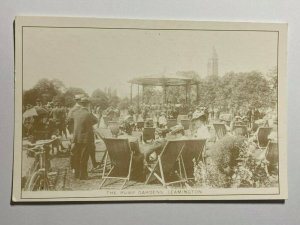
(231, 163)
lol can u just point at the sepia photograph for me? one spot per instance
(149, 110)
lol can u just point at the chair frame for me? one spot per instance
(183, 121)
(268, 151)
(201, 152)
(140, 125)
(257, 136)
(106, 177)
(152, 134)
(159, 164)
(170, 121)
(241, 126)
(217, 133)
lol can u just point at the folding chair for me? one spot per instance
(121, 156)
(240, 130)
(182, 117)
(140, 125)
(220, 130)
(148, 134)
(171, 123)
(165, 164)
(114, 127)
(193, 150)
(272, 155)
(185, 123)
(105, 120)
(100, 134)
(262, 137)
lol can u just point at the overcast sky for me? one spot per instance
(95, 58)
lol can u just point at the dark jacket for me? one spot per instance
(83, 126)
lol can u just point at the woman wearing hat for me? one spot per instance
(199, 123)
(162, 120)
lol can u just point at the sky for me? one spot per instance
(99, 58)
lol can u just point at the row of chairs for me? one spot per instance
(177, 155)
(242, 130)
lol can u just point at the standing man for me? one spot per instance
(83, 138)
(70, 124)
(70, 117)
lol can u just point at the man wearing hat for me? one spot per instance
(151, 152)
(70, 125)
(83, 138)
(70, 117)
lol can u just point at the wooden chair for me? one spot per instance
(220, 130)
(166, 162)
(171, 123)
(193, 150)
(240, 130)
(121, 156)
(185, 123)
(148, 134)
(272, 155)
(262, 137)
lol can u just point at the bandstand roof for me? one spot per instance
(163, 80)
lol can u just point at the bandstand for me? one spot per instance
(164, 81)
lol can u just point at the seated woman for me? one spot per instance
(200, 128)
(162, 120)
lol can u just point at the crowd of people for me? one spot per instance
(77, 125)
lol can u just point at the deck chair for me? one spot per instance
(140, 125)
(262, 137)
(114, 128)
(148, 134)
(185, 123)
(272, 155)
(100, 134)
(193, 150)
(166, 162)
(240, 130)
(171, 123)
(220, 130)
(121, 156)
(182, 117)
(105, 120)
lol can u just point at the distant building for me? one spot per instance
(212, 64)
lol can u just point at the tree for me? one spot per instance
(45, 90)
(99, 98)
(70, 94)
